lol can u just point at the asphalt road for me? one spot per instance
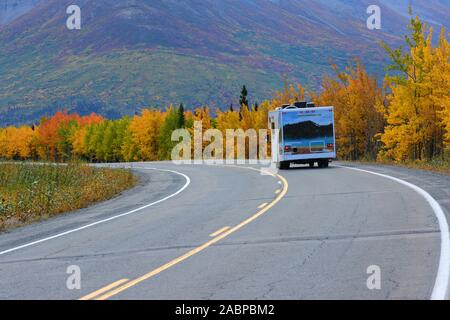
(307, 234)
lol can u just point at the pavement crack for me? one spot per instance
(331, 238)
(319, 238)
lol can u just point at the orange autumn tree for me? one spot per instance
(55, 135)
(18, 143)
(49, 138)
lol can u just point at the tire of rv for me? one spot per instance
(284, 165)
(311, 164)
(324, 164)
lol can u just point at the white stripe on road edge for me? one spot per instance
(442, 280)
(188, 182)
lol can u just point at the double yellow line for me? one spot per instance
(124, 284)
(101, 291)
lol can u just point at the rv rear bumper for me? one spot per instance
(307, 158)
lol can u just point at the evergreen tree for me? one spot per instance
(243, 99)
(181, 117)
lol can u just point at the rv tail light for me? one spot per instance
(287, 148)
(330, 145)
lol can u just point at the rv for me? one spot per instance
(302, 134)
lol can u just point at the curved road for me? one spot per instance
(210, 232)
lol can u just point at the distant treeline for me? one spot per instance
(408, 118)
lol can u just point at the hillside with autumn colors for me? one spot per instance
(133, 54)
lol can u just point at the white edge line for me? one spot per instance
(188, 182)
(442, 279)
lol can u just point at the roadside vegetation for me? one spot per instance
(30, 193)
(436, 165)
(405, 120)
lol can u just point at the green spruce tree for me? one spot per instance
(181, 117)
(243, 99)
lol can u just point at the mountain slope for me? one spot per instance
(11, 9)
(133, 53)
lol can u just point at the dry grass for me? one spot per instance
(30, 193)
(440, 166)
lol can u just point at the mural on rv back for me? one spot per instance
(307, 132)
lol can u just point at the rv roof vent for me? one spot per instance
(285, 106)
(311, 105)
(301, 104)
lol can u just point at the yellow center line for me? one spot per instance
(263, 205)
(278, 191)
(104, 289)
(200, 248)
(219, 232)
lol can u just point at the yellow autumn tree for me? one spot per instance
(261, 117)
(3, 143)
(204, 116)
(228, 120)
(288, 95)
(79, 141)
(145, 133)
(441, 77)
(419, 97)
(358, 102)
